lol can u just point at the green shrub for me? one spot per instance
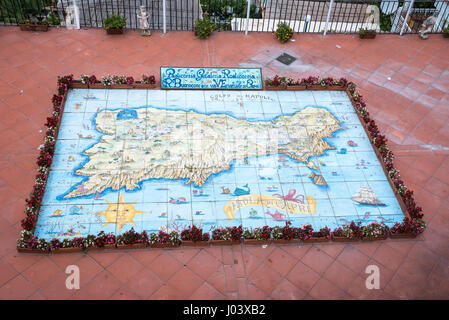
(283, 32)
(366, 31)
(223, 11)
(204, 27)
(53, 19)
(114, 21)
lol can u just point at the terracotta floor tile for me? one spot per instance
(326, 290)
(184, 255)
(124, 268)
(281, 261)
(165, 266)
(124, 294)
(285, 290)
(17, 288)
(56, 289)
(186, 282)
(103, 286)
(388, 257)
(353, 258)
(317, 260)
(303, 277)
(340, 275)
(167, 292)
(21, 261)
(207, 292)
(105, 258)
(218, 281)
(144, 283)
(204, 264)
(265, 278)
(42, 272)
(8, 272)
(255, 293)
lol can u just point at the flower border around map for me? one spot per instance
(217, 83)
(412, 225)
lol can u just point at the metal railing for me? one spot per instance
(315, 16)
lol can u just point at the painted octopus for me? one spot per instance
(291, 196)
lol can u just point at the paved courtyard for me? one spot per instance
(405, 82)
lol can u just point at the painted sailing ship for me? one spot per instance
(366, 195)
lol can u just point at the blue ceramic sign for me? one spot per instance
(211, 78)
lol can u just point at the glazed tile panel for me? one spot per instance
(211, 78)
(156, 160)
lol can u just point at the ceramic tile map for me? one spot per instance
(211, 78)
(165, 159)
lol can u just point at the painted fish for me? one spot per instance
(277, 216)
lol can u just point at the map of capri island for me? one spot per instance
(151, 143)
(164, 160)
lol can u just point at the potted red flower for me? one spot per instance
(228, 235)
(321, 236)
(284, 234)
(147, 82)
(257, 235)
(194, 236)
(132, 239)
(104, 241)
(277, 83)
(29, 243)
(409, 228)
(294, 85)
(67, 245)
(353, 232)
(164, 239)
(374, 231)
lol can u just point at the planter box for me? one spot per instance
(97, 85)
(67, 250)
(33, 27)
(107, 246)
(122, 86)
(275, 88)
(402, 235)
(343, 239)
(320, 88)
(163, 245)
(114, 31)
(296, 88)
(135, 85)
(316, 239)
(255, 241)
(131, 246)
(367, 35)
(224, 242)
(191, 243)
(28, 250)
(139, 85)
(385, 236)
(78, 85)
